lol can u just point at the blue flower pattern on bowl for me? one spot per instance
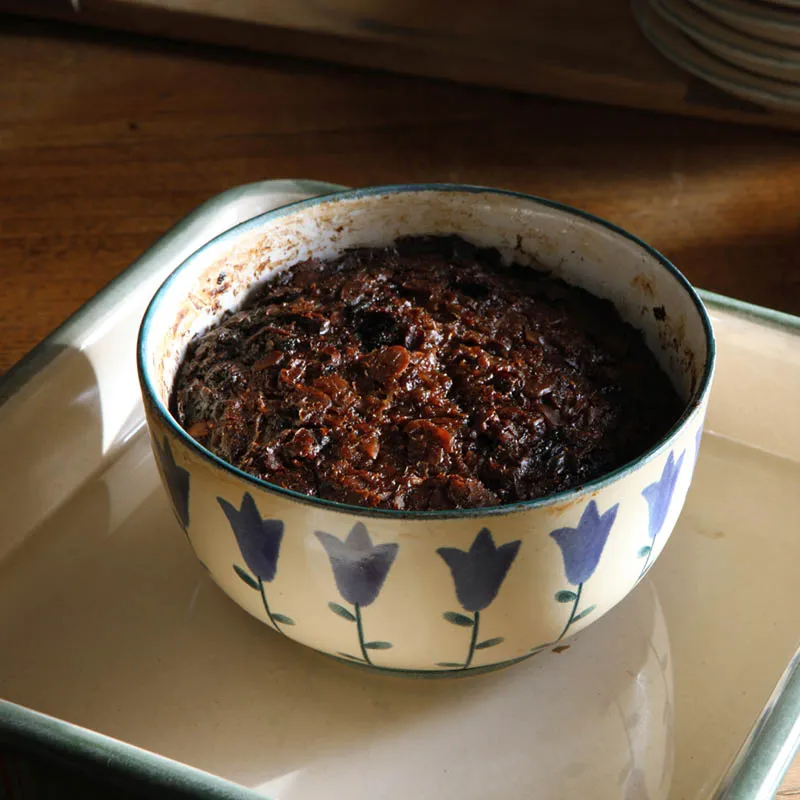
(360, 569)
(478, 575)
(659, 499)
(177, 480)
(581, 548)
(259, 543)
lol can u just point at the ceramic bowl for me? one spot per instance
(429, 592)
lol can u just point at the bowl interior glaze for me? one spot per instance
(647, 290)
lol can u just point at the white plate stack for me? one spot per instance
(749, 48)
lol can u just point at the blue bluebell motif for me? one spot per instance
(259, 539)
(583, 545)
(360, 569)
(259, 543)
(479, 572)
(659, 494)
(659, 498)
(177, 479)
(581, 549)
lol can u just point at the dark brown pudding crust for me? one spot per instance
(423, 376)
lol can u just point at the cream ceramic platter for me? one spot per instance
(109, 624)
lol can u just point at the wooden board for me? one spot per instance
(577, 49)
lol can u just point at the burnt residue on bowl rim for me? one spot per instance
(567, 497)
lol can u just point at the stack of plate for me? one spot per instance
(749, 48)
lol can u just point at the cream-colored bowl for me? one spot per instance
(429, 592)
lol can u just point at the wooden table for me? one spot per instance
(106, 140)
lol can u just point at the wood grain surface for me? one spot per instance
(578, 49)
(107, 140)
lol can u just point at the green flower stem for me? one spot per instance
(646, 561)
(266, 606)
(360, 627)
(571, 614)
(473, 641)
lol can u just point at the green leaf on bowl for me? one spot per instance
(645, 551)
(341, 611)
(458, 619)
(566, 596)
(585, 612)
(248, 579)
(377, 645)
(449, 664)
(489, 643)
(284, 620)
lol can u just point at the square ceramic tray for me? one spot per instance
(121, 660)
